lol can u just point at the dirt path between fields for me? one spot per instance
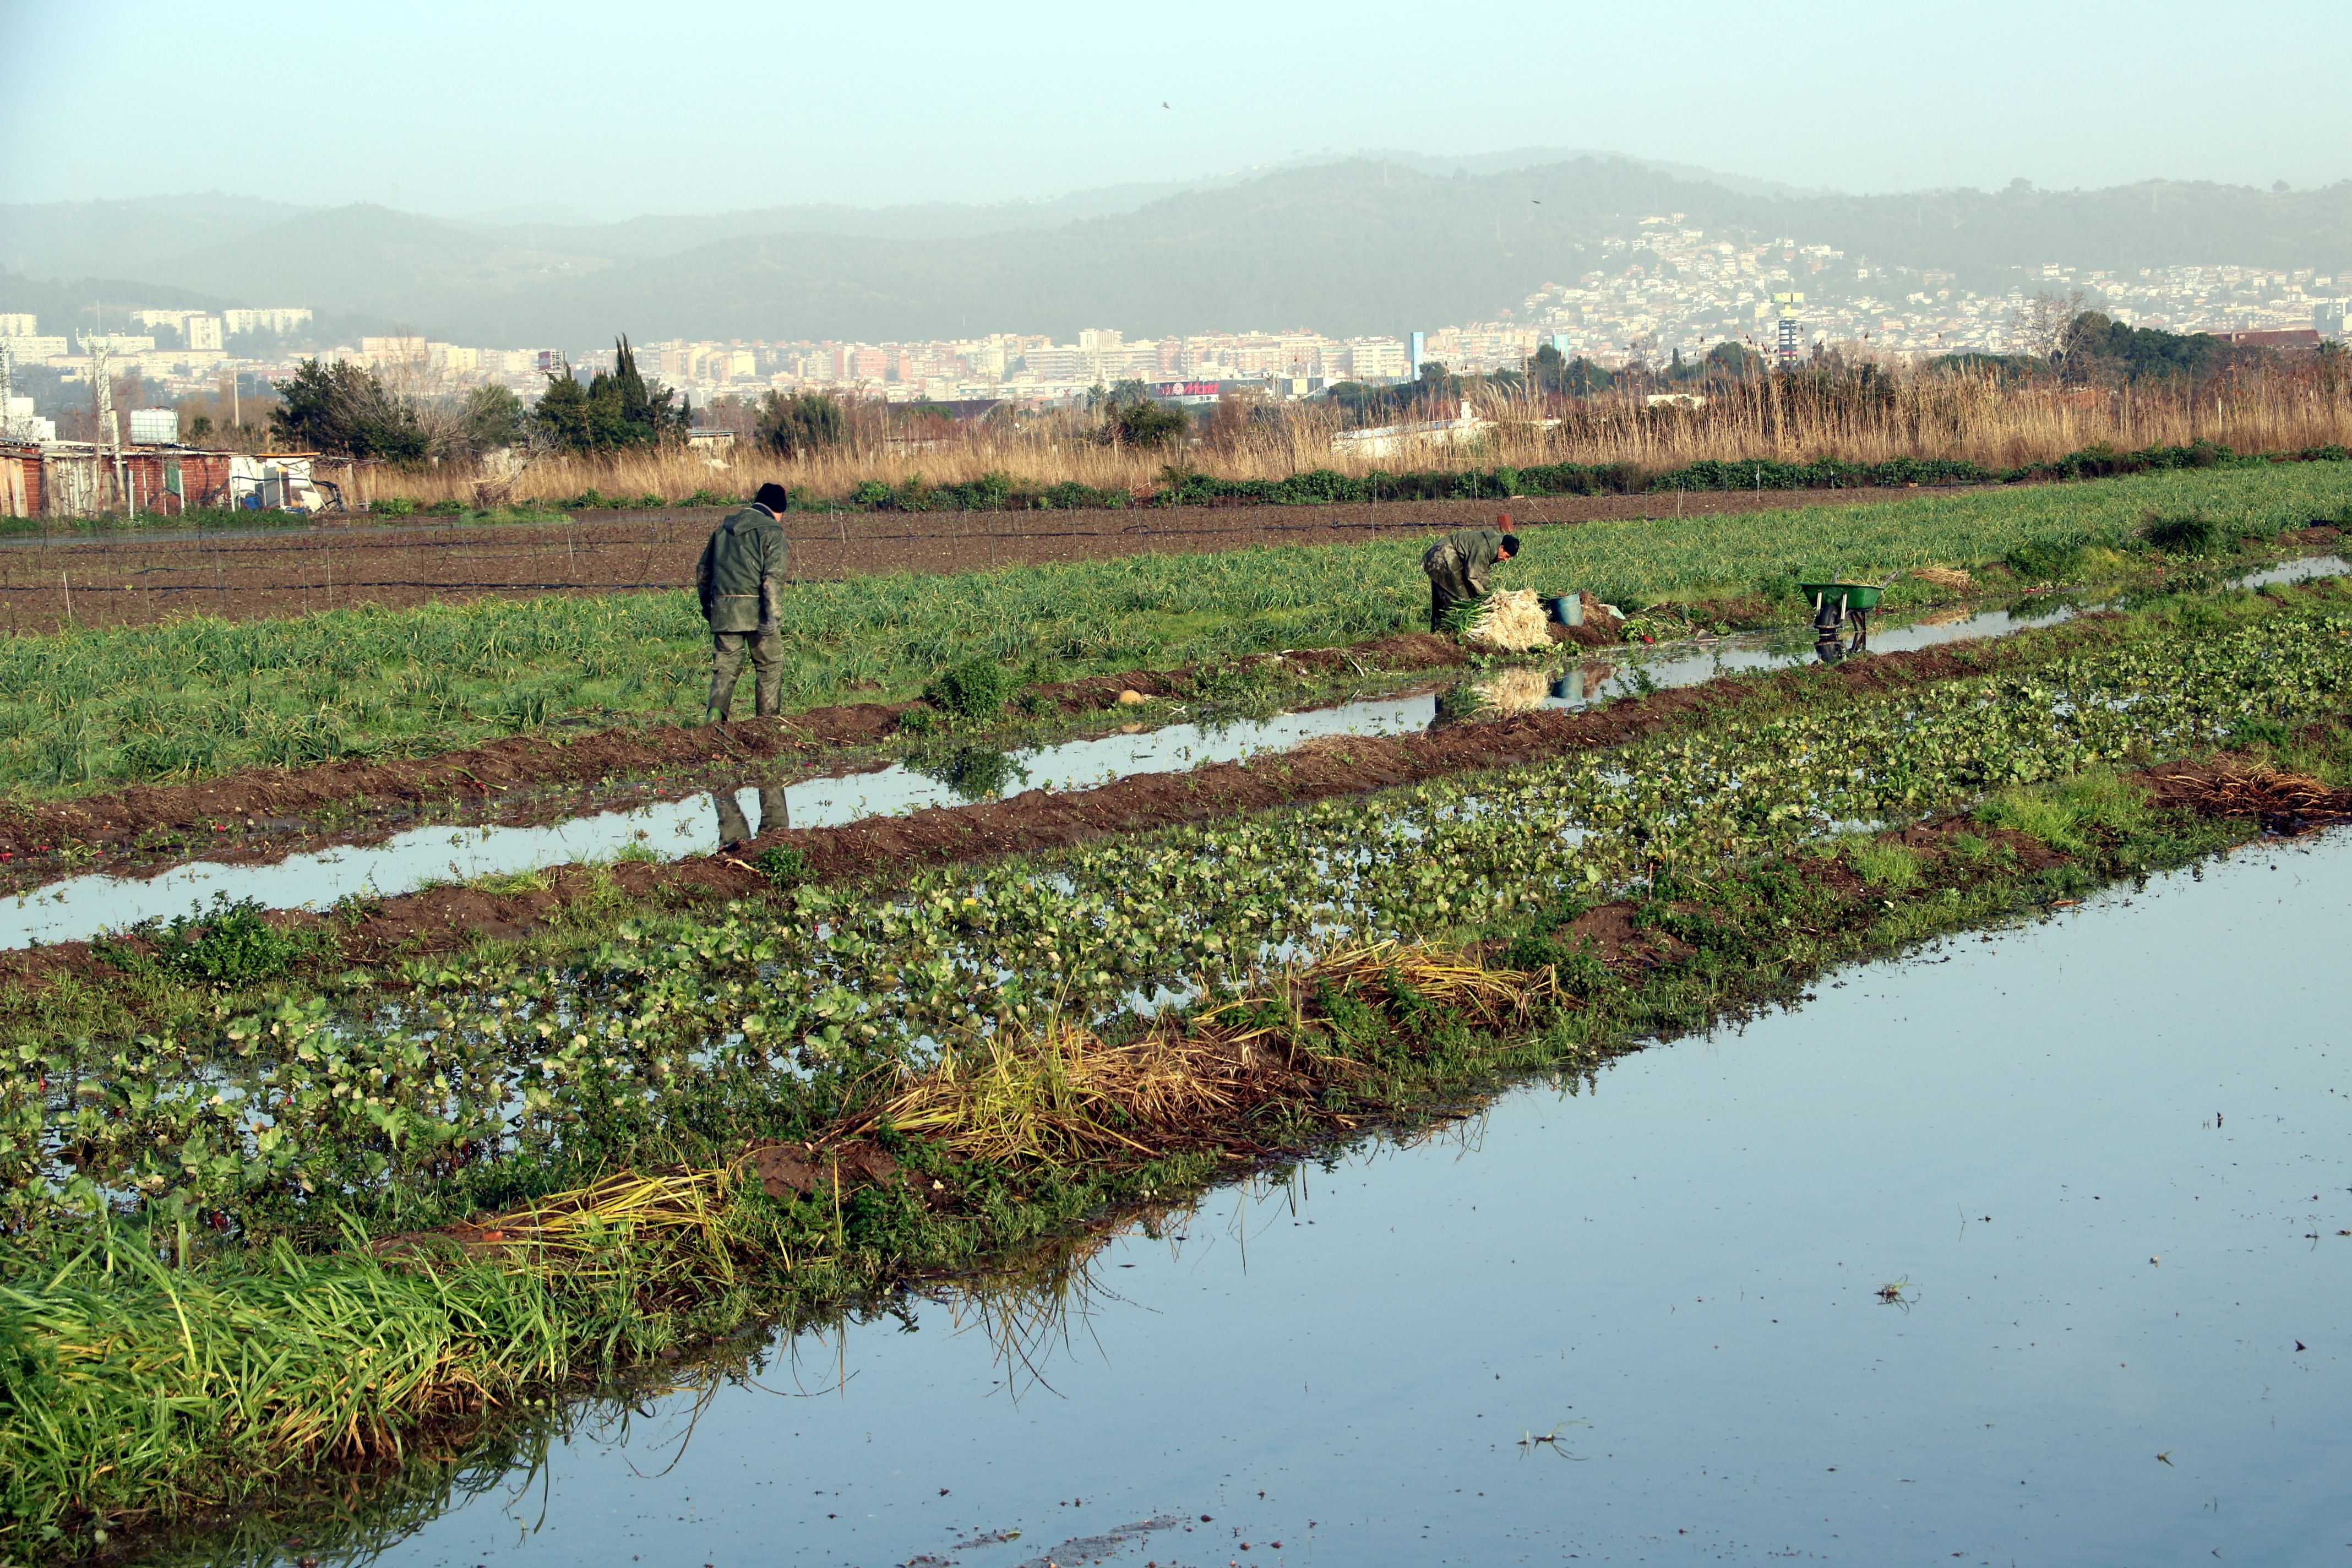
(149, 577)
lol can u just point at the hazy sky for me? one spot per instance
(616, 109)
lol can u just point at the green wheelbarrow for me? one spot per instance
(1836, 603)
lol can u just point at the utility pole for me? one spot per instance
(102, 391)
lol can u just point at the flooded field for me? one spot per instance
(736, 807)
(1633, 670)
(696, 824)
(2032, 1247)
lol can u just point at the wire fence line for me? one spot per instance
(457, 538)
(152, 574)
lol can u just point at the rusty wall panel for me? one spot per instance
(204, 478)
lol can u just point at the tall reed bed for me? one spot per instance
(1892, 412)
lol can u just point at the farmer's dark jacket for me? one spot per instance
(742, 574)
(1468, 554)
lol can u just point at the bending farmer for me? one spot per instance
(1459, 566)
(741, 577)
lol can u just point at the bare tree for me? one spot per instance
(429, 394)
(2041, 325)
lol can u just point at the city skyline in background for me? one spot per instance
(1664, 292)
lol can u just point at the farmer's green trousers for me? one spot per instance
(734, 830)
(1449, 585)
(726, 651)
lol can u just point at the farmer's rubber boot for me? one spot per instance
(733, 831)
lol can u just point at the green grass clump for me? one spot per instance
(2190, 533)
(209, 1383)
(2045, 560)
(230, 946)
(784, 868)
(1883, 863)
(974, 691)
(2072, 817)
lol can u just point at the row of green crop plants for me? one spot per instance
(486, 1081)
(196, 698)
(267, 1121)
(1324, 487)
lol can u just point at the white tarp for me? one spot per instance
(268, 483)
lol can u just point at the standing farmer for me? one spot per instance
(741, 577)
(1459, 566)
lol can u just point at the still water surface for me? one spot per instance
(2103, 1162)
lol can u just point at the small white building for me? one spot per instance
(1388, 440)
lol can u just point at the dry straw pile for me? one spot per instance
(1062, 1093)
(1059, 1093)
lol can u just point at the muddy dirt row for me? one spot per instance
(450, 919)
(152, 577)
(257, 814)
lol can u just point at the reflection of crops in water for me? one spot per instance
(974, 772)
(360, 1513)
(1513, 691)
(1031, 1305)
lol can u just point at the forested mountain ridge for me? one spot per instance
(1354, 246)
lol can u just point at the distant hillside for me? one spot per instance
(140, 238)
(1359, 245)
(2158, 223)
(65, 306)
(149, 236)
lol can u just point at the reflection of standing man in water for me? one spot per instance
(734, 832)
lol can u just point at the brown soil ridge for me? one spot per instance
(449, 919)
(1258, 1067)
(1321, 769)
(118, 819)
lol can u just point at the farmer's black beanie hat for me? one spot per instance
(1510, 544)
(772, 496)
